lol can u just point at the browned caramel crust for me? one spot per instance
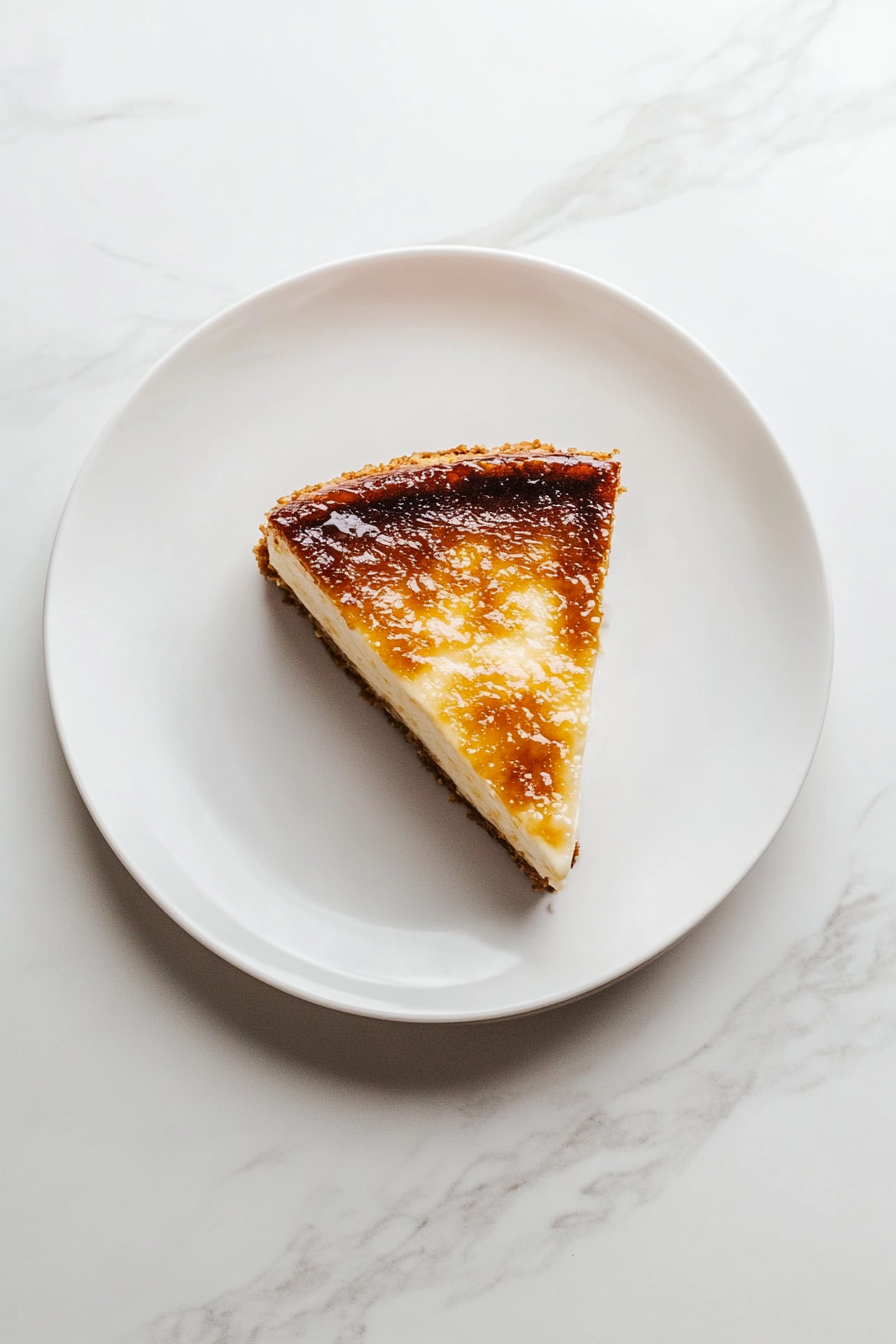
(450, 455)
(370, 475)
(461, 453)
(371, 541)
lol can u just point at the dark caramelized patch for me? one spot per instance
(375, 543)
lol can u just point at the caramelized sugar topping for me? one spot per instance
(479, 580)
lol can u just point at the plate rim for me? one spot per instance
(297, 987)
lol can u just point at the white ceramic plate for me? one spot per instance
(281, 819)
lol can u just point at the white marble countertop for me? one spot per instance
(703, 1153)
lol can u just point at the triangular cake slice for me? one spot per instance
(464, 589)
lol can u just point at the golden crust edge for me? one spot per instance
(533, 447)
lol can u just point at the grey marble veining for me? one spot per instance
(30, 106)
(719, 120)
(830, 1000)
(36, 382)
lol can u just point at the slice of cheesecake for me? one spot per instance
(464, 590)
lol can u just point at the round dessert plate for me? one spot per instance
(282, 819)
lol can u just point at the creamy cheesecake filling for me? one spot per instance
(424, 703)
